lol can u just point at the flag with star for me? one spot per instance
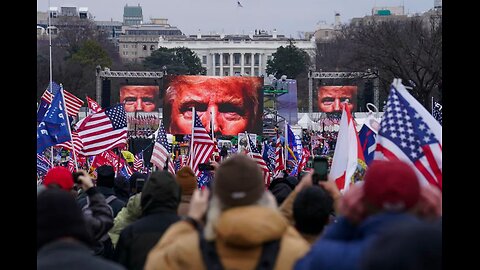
(53, 129)
(104, 130)
(408, 132)
(162, 150)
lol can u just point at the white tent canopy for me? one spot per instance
(306, 122)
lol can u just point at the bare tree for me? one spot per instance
(410, 49)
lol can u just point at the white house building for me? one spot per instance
(229, 55)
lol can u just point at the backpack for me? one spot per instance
(103, 246)
(212, 261)
(109, 199)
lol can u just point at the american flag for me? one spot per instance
(161, 153)
(72, 102)
(138, 162)
(104, 130)
(77, 143)
(203, 146)
(437, 111)
(43, 164)
(279, 162)
(255, 154)
(408, 132)
(303, 161)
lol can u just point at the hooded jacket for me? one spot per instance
(240, 234)
(125, 217)
(159, 202)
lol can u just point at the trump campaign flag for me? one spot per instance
(53, 129)
(72, 103)
(368, 137)
(348, 165)
(408, 132)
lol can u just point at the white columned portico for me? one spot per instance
(260, 68)
(231, 64)
(214, 69)
(242, 64)
(221, 64)
(252, 64)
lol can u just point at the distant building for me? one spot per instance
(325, 32)
(138, 41)
(112, 29)
(381, 14)
(132, 15)
(230, 55)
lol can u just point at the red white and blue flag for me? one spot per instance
(203, 146)
(255, 154)
(408, 132)
(138, 162)
(104, 130)
(72, 102)
(162, 151)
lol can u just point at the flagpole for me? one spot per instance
(285, 144)
(68, 125)
(191, 139)
(50, 65)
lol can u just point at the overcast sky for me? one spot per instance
(288, 17)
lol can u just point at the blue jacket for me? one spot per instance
(342, 244)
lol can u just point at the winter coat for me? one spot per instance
(240, 234)
(126, 216)
(342, 244)
(116, 204)
(71, 255)
(159, 200)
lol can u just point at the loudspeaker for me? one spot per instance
(106, 93)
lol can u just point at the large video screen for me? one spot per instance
(330, 98)
(140, 98)
(236, 103)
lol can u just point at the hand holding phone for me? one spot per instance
(205, 167)
(320, 168)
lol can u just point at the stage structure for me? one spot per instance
(137, 142)
(272, 90)
(106, 74)
(369, 74)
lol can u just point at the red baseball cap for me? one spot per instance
(391, 185)
(60, 176)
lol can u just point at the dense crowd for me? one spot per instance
(163, 221)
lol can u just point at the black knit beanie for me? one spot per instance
(311, 210)
(105, 176)
(58, 215)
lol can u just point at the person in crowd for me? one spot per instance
(159, 201)
(63, 237)
(234, 102)
(121, 188)
(105, 183)
(311, 207)
(390, 194)
(281, 187)
(188, 182)
(243, 227)
(408, 246)
(98, 214)
(132, 211)
(223, 153)
(330, 98)
(140, 98)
